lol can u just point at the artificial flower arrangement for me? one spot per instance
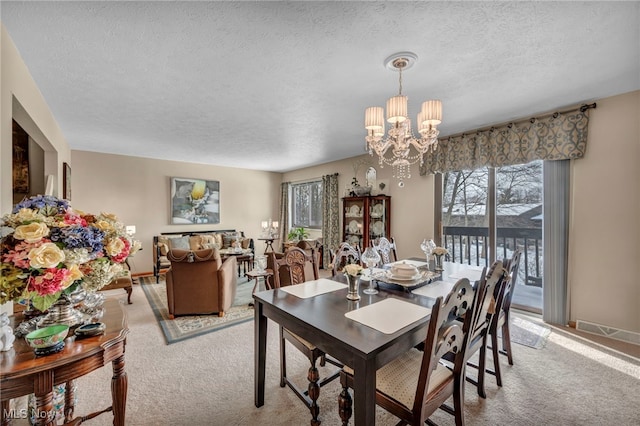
(352, 269)
(440, 251)
(50, 249)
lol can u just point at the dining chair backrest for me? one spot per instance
(444, 335)
(503, 302)
(345, 254)
(385, 248)
(485, 299)
(295, 263)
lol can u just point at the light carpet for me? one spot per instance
(208, 381)
(528, 333)
(189, 326)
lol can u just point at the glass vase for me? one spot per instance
(439, 261)
(353, 282)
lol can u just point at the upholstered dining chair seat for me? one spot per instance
(398, 379)
(306, 343)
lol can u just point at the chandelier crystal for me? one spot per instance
(400, 148)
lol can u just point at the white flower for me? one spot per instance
(353, 269)
(32, 232)
(439, 251)
(48, 255)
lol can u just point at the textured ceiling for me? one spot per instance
(283, 85)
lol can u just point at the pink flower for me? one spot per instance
(125, 248)
(19, 256)
(72, 218)
(50, 282)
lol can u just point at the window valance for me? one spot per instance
(559, 136)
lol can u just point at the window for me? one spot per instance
(306, 205)
(511, 194)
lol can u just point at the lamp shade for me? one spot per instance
(397, 109)
(374, 118)
(432, 113)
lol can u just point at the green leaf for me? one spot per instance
(42, 303)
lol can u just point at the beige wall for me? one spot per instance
(137, 191)
(604, 254)
(411, 206)
(20, 99)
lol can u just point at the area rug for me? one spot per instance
(528, 333)
(187, 327)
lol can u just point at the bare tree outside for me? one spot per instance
(518, 210)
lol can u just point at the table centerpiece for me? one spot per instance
(352, 272)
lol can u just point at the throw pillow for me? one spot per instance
(196, 242)
(181, 243)
(246, 242)
(228, 238)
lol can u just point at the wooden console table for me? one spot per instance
(22, 372)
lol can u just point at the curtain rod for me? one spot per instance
(313, 179)
(581, 108)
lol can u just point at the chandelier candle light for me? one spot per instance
(400, 138)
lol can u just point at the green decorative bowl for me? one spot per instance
(47, 337)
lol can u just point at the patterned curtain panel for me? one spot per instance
(284, 212)
(560, 136)
(330, 216)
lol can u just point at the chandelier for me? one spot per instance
(400, 148)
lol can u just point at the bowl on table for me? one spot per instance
(404, 271)
(48, 339)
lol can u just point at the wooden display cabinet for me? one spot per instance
(365, 218)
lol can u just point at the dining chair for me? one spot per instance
(477, 328)
(345, 254)
(295, 264)
(414, 385)
(501, 317)
(386, 248)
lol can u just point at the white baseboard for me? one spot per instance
(611, 332)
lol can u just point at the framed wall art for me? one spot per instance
(194, 201)
(66, 181)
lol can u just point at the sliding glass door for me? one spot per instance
(488, 213)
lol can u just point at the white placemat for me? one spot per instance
(473, 274)
(435, 289)
(313, 288)
(388, 315)
(415, 263)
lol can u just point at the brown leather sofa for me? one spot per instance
(199, 282)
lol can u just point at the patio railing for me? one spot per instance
(468, 244)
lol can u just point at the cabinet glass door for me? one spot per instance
(354, 215)
(378, 223)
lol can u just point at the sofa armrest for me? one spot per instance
(228, 281)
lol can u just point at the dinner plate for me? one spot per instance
(354, 210)
(378, 227)
(354, 240)
(353, 226)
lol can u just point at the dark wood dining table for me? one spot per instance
(321, 320)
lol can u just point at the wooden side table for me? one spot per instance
(22, 372)
(269, 243)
